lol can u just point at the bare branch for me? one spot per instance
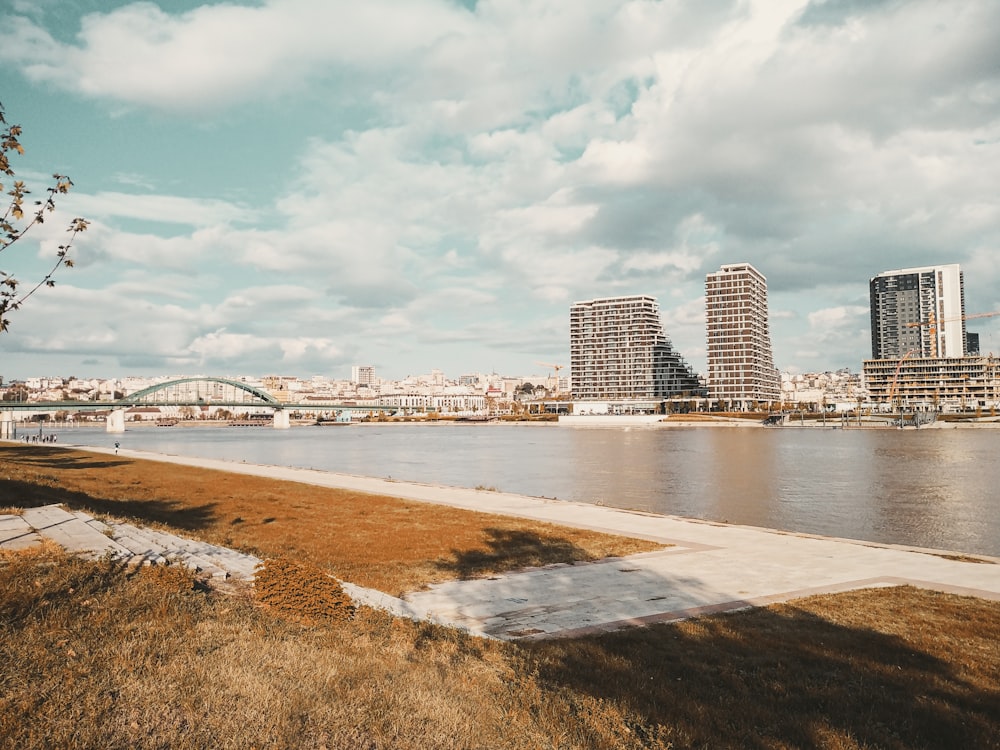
(10, 228)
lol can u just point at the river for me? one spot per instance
(935, 488)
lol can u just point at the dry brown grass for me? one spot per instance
(301, 592)
(380, 542)
(94, 657)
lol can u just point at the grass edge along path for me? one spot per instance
(386, 543)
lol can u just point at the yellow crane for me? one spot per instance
(932, 323)
(555, 369)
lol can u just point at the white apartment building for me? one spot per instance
(456, 400)
(918, 312)
(363, 375)
(740, 358)
(619, 351)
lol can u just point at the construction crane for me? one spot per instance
(895, 379)
(556, 369)
(932, 323)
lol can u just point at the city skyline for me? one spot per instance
(298, 186)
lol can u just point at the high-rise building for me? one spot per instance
(918, 312)
(619, 351)
(363, 375)
(740, 359)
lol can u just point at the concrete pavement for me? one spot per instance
(711, 567)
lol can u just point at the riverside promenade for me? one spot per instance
(709, 567)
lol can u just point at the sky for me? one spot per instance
(297, 186)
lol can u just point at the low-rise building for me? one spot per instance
(946, 384)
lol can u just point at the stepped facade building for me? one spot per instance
(619, 351)
(740, 358)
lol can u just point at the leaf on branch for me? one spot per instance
(14, 213)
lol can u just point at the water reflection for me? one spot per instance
(741, 478)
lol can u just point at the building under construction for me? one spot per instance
(939, 384)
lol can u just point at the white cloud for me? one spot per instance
(169, 209)
(216, 55)
(836, 317)
(469, 172)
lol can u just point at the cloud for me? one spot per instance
(459, 174)
(169, 209)
(217, 55)
(837, 317)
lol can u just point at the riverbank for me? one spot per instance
(146, 660)
(704, 567)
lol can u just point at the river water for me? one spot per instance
(930, 488)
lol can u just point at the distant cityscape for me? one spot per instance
(622, 360)
(923, 358)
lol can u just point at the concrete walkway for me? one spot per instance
(711, 567)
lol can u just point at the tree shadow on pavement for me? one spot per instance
(18, 494)
(512, 549)
(810, 674)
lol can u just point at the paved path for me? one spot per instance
(711, 567)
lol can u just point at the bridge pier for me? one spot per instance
(281, 420)
(8, 430)
(116, 420)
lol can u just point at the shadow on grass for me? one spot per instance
(785, 677)
(511, 549)
(18, 494)
(59, 458)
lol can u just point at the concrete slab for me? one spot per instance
(72, 533)
(16, 533)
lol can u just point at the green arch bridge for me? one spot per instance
(192, 392)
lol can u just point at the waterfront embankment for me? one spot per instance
(143, 659)
(708, 567)
(925, 487)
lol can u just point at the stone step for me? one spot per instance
(141, 550)
(72, 533)
(208, 558)
(80, 533)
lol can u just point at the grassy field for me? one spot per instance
(384, 543)
(94, 656)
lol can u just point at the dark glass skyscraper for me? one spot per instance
(918, 312)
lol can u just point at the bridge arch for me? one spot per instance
(201, 390)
